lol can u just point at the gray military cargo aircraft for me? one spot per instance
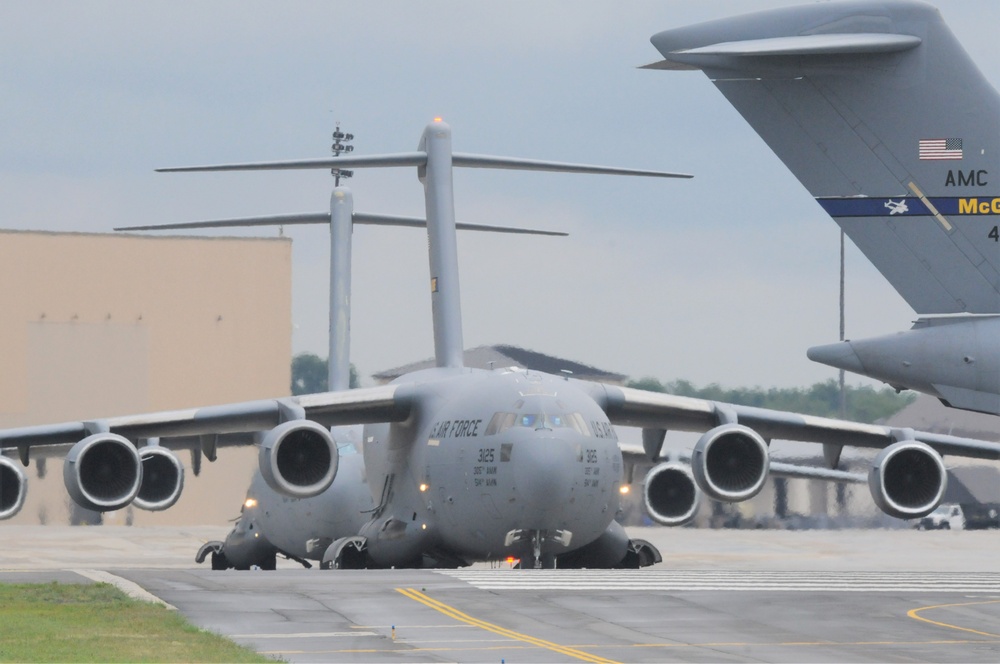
(270, 525)
(882, 115)
(464, 465)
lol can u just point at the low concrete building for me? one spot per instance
(502, 356)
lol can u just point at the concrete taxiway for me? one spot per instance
(817, 596)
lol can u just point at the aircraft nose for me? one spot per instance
(543, 472)
(840, 355)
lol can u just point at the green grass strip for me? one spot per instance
(98, 623)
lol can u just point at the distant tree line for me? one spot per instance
(864, 403)
(309, 374)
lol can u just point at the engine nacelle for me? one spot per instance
(103, 472)
(13, 487)
(670, 494)
(162, 479)
(908, 479)
(730, 463)
(298, 459)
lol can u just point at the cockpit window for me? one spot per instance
(579, 424)
(500, 422)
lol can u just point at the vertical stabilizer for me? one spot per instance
(881, 114)
(446, 307)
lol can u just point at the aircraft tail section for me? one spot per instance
(881, 114)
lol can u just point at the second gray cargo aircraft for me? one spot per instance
(881, 114)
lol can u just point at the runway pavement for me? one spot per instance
(816, 596)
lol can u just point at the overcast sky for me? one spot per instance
(726, 278)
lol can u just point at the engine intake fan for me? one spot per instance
(103, 472)
(908, 479)
(730, 463)
(670, 494)
(298, 459)
(162, 479)
(13, 487)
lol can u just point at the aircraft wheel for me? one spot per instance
(219, 561)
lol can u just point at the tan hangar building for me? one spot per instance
(96, 325)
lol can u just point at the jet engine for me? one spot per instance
(162, 479)
(730, 463)
(103, 472)
(907, 479)
(670, 494)
(298, 459)
(13, 487)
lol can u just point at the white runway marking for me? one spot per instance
(687, 580)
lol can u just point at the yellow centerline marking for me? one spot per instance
(576, 653)
(914, 613)
(452, 612)
(665, 646)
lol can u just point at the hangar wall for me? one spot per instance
(95, 325)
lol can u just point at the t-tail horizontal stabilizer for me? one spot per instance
(434, 160)
(880, 113)
(324, 218)
(461, 159)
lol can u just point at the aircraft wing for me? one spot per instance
(375, 404)
(635, 457)
(653, 410)
(126, 460)
(798, 471)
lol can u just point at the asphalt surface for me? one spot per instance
(721, 596)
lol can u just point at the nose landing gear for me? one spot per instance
(538, 538)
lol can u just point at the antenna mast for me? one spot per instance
(341, 145)
(341, 229)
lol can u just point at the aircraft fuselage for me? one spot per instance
(954, 358)
(494, 464)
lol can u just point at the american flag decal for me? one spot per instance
(940, 148)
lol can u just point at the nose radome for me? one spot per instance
(840, 355)
(543, 472)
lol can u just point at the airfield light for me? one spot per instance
(623, 489)
(423, 526)
(250, 503)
